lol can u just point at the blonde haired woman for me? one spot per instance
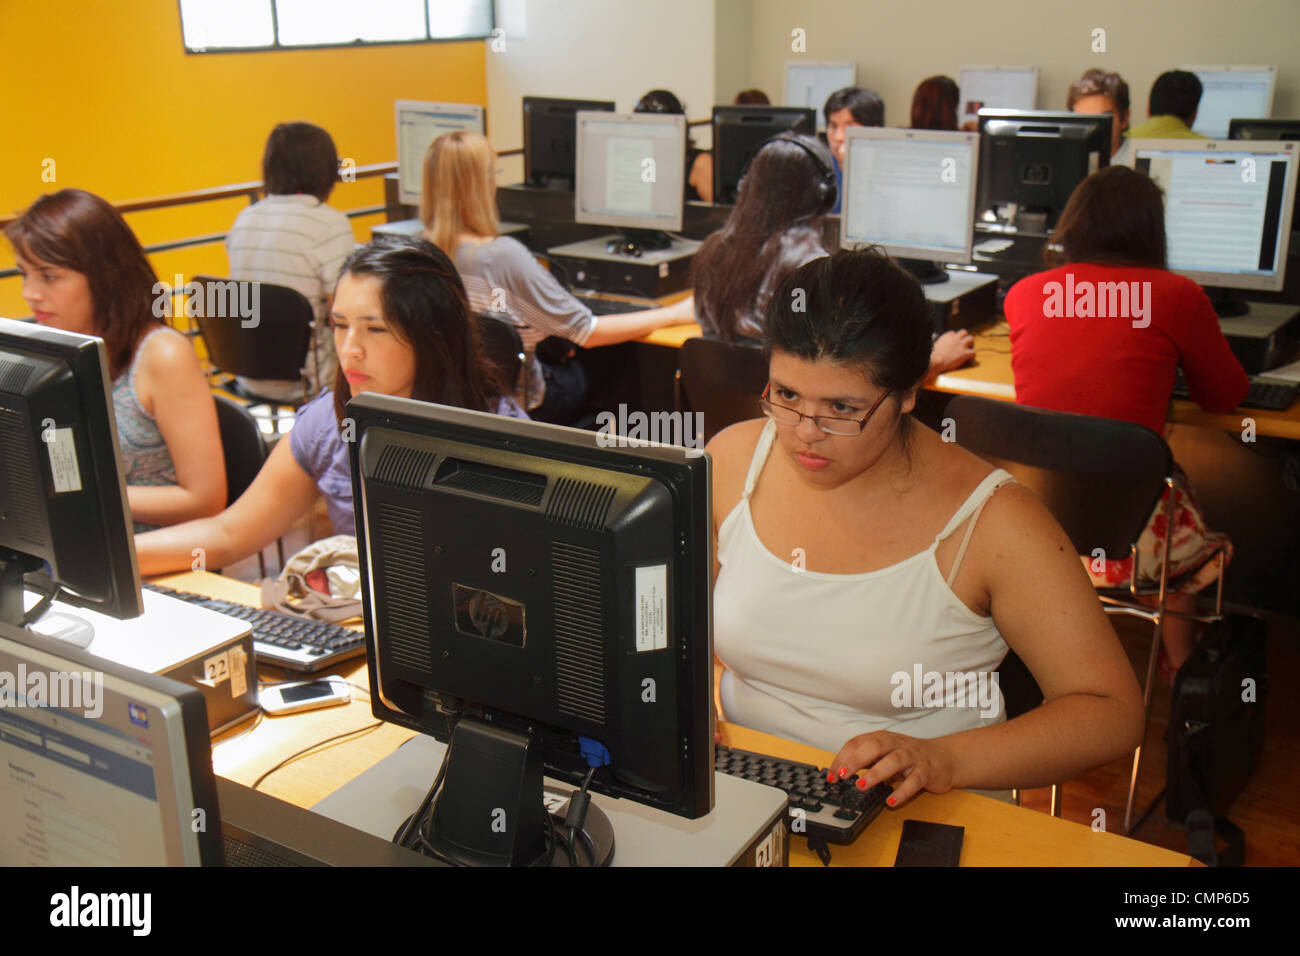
(459, 212)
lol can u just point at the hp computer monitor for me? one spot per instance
(1228, 207)
(419, 124)
(1031, 161)
(63, 502)
(995, 87)
(1228, 92)
(631, 171)
(809, 85)
(551, 137)
(535, 594)
(912, 192)
(739, 132)
(104, 765)
(1269, 130)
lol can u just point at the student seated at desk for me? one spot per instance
(294, 238)
(1100, 92)
(459, 211)
(1175, 98)
(934, 104)
(774, 228)
(699, 162)
(402, 327)
(857, 552)
(83, 270)
(851, 106)
(1113, 231)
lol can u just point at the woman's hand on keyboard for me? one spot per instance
(883, 755)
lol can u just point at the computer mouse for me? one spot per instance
(65, 627)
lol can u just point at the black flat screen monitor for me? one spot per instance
(1270, 129)
(1031, 161)
(551, 139)
(535, 598)
(739, 132)
(63, 506)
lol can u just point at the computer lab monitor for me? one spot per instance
(551, 137)
(64, 518)
(912, 192)
(1269, 130)
(536, 595)
(1228, 207)
(810, 84)
(418, 124)
(995, 87)
(1031, 161)
(631, 171)
(103, 765)
(1228, 92)
(739, 132)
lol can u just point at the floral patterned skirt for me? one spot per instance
(1192, 552)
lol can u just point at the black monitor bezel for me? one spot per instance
(531, 106)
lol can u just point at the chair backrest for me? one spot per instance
(504, 347)
(721, 381)
(1099, 477)
(253, 329)
(242, 443)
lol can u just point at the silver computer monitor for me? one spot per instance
(996, 87)
(100, 764)
(810, 84)
(910, 191)
(631, 170)
(419, 124)
(1230, 92)
(1228, 207)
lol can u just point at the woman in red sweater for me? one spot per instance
(1103, 334)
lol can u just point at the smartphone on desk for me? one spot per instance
(304, 695)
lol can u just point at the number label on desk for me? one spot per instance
(216, 669)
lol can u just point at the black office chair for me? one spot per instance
(1100, 478)
(245, 452)
(504, 347)
(721, 381)
(272, 344)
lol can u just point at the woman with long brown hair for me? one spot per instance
(1115, 356)
(84, 271)
(402, 327)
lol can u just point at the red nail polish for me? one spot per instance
(862, 783)
(830, 778)
(844, 771)
(890, 801)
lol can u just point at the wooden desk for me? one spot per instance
(990, 376)
(997, 834)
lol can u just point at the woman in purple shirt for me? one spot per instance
(402, 326)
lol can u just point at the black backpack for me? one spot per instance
(1216, 735)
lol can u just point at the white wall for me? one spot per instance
(601, 49)
(897, 43)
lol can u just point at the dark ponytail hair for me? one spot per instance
(425, 305)
(857, 308)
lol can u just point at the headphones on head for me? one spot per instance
(827, 190)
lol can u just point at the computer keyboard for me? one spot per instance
(834, 812)
(284, 640)
(1273, 396)
(601, 306)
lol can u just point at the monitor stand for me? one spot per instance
(1228, 303)
(926, 271)
(491, 809)
(13, 566)
(648, 240)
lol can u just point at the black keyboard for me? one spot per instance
(601, 306)
(1274, 396)
(284, 640)
(835, 812)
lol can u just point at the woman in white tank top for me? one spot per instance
(872, 576)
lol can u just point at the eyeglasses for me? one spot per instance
(784, 415)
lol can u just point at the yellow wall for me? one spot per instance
(105, 89)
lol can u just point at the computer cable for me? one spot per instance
(48, 597)
(307, 751)
(416, 820)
